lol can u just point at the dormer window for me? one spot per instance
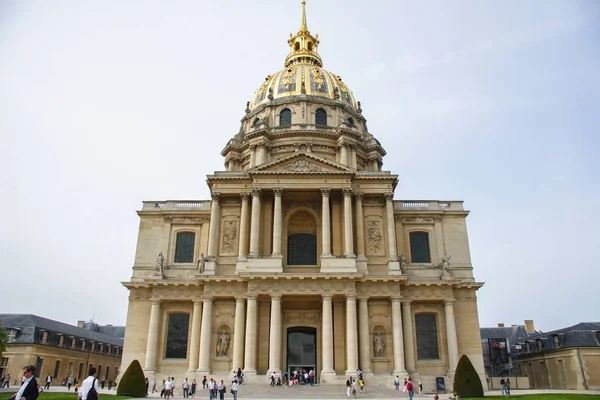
(540, 345)
(310, 46)
(556, 341)
(528, 347)
(598, 336)
(11, 335)
(297, 46)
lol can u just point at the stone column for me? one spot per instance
(327, 336)
(360, 228)
(399, 366)
(251, 331)
(275, 335)
(351, 345)
(439, 237)
(451, 336)
(153, 333)
(353, 163)
(391, 227)
(277, 223)
(363, 331)
(238, 333)
(205, 336)
(409, 346)
(252, 155)
(326, 223)
(195, 339)
(344, 154)
(255, 224)
(213, 233)
(243, 244)
(348, 237)
(375, 164)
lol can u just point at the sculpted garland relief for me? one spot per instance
(229, 236)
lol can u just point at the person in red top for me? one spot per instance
(410, 388)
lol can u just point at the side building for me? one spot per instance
(58, 349)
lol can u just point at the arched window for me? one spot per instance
(310, 46)
(419, 248)
(297, 46)
(321, 117)
(350, 121)
(285, 117)
(540, 344)
(256, 121)
(556, 340)
(302, 239)
(184, 248)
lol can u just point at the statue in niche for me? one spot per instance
(160, 265)
(445, 266)
(223, 344)
(403, 263)
(200, 263)
(378, 345)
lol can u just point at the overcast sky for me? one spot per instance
(104, 104)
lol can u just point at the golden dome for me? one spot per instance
(303, 74)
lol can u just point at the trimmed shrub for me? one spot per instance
(133, 381)
(466, 379)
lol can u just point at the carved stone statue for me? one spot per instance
(303, 88)
(359, 108)
(160, 264)
(247, 107)
(403, 263)
(378, 345)
(445, 266)
(270, 96)
(223, 344)
(200, 264)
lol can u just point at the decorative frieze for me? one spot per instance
(186, 220)
(310, 204)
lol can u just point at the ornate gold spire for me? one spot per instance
(303, 46)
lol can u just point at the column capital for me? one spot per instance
(396, 299)
(389, 196)
(358, 196)
(351, 296)
(239, 299)
(276, 296)
(406, 302)
(215, 196)
(327, 296)
(245, 196)
(347, 191)
(325, 191)
(277, 191)
(256, 192)
(252, 296)
(449, 302)
(197, 301)
(363, 298)
(207, 299)
(155, 300)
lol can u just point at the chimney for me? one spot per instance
(500, 325)
(80, 324)
(529, 326)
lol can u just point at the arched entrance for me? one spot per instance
(301, 350)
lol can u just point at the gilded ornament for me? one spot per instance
(318, 77)
(288, 77)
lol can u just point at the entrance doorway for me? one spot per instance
(301, 352)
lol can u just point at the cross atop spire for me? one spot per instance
(303, 26)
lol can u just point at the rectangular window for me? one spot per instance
(11, 335)
(107, 371)
(427, 337)
(4, 363)
(99, 371)
(184, 248)
(80, 371)
(419, 248)
(56, 369)
(177, 335)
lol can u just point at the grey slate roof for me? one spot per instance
(512, 333)
(583, 334)
(29, 324)
(110, 330)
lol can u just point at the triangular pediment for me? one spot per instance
(302, 163)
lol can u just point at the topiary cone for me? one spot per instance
(133, 381)
(466, 379)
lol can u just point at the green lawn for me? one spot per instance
(66, 396)
(545, 397)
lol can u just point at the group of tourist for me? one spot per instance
(409, 386)
(216, 390)
(298, 377)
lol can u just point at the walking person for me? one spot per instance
(87, 385)
(147, 386)
(420, 388)
(194, 384)
(508, 386)
(186, 388)
(348, 388)
(6, 382)
(48, 382)
(204, 382)
(69, 382)
(168, 388)
(234, 388)
(221, 389)
(212, 389)
(29, 388)
(410, 388)
(153, 385)
(502, 386)
(397, 382)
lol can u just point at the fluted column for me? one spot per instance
(327, 335)
(153, 333)
(344, 154)
(326, 223)
(195, 339)
(451, 336)
(250, 347)
(363, 330)
(374, 164)
(409, 344)
(255, 227)
(205, 336)
(275, 335)
(238, 334)
(243, 244)
(391, 227)
(360, 228)
(348, 237)
(213, 233)
(399, 366)
(351, 346)
(277, 222)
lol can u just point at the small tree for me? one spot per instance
(3, 339)
(133, 381)
(466, 379)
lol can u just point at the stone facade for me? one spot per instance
(302, 258)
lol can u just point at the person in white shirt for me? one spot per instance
(186, 388)
(29, 388)
(87, 384)
(234, 388)
(168, 388)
